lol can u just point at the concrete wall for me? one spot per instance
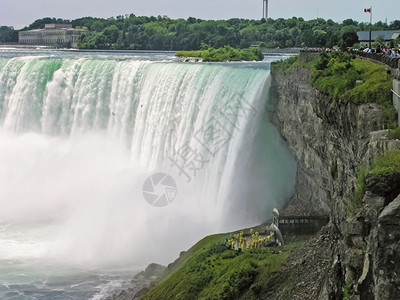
(57, 26)
(396, 98)
(302, 224)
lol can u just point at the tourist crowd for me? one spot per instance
(387, 51)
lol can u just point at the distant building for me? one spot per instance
(52, 35)
(388, 36)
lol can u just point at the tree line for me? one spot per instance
(163, 33)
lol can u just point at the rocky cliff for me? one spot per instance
(330, 142)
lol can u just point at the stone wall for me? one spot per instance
(396, 97)
(390, 61)
(301, 224)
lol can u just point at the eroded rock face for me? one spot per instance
(330, 141)
(387, 186)
(386, 254)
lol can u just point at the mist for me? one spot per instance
(80, 137)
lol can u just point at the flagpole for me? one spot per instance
(370, 25)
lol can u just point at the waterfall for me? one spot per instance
(80, 136)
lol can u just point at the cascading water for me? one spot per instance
(80, 135)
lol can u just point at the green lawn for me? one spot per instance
(212, 271)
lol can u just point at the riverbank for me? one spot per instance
(17, 46)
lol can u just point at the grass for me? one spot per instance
(375, 86)
(386, 165)
(347, 291)
(338, 73)
(212, 271)
(348, 79)
(381, 170)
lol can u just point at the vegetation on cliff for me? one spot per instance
(348, 79)
(386, 165)
(210, 270)
(394, 134)
(382, 178)
(357, 198)
(345, 78)
(226, 53)
(285, 65)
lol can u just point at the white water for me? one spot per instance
(79, 136)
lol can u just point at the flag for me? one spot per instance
(367, 10)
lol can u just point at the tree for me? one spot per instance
(97, 26)
(111, 33)
(397, 41)
(379, 42)
(8, 34)
(349, 22)
(395, 25)
(163, 33)
(350, 38)
(39, 23)
(320, 37)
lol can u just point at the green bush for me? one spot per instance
(189, 53)
(394, 134)
(226, 53)
(337, 73)
(375, 86)
(238, 283)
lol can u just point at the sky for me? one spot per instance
(19, 13)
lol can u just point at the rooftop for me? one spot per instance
(387, 35)
(57, 26)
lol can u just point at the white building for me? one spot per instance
(52, 35)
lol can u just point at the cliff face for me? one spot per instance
(330, 142)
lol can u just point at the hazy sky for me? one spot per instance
(23, 12)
